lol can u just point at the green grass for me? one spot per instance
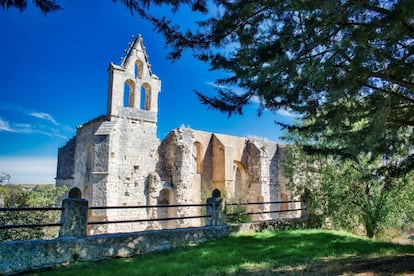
(244, 253)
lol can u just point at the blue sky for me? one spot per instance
(53, 77)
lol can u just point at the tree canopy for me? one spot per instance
(345, 67)
(17, 196)
(348, 195)
(4, 178)
(50, 6)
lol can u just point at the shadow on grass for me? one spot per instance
(379, 266)
(310, 251)
(313, 252)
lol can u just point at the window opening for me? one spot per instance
(145, 96)
(129, 94)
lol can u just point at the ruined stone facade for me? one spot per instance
(117, 159)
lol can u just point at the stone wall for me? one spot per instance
(21, 256)
(66, 162)
(73, 243)
(133, 156)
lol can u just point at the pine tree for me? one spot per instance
(346, 68)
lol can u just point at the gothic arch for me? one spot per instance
(166, 197)
(241, 179)
(146, 96)
(129, 95)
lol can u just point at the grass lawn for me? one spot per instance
(299, 252)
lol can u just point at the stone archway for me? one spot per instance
(166, 197)
(241, 182)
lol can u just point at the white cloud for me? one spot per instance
(23, 128)
(29, 170)
(4, 125)
(45, 116)
(54, 130)
(20, 128)
(286, 113)
(256, 99)
(17, 128)
(215, 85)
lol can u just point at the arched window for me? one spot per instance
(216, 193)
(241, 178)
(75, 193)
(146, 96)
(166, 197)
(139, 69)
(241, 181)
(129, 87)
(199, 152)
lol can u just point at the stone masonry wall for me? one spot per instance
(133, 156)
(22, 256)
(84, 154)
(66, 162)
(178, 169)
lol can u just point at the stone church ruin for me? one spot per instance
(118, 160)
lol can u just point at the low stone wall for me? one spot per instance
(74, 245)
(21, 256)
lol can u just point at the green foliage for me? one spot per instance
(16, 196)
(45, 6)
(266, 253)
(351, 193)
(237, 214)
(50, 6)
(5, 177)
(345, 67)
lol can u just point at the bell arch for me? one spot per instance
(146, 96)
(129, 95)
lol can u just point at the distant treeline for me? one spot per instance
(29, 195)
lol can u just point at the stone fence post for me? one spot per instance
(216, 208)
(74, 217)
